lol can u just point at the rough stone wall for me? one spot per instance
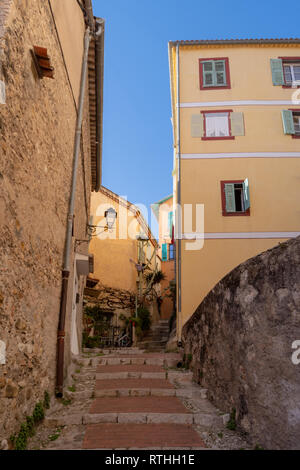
(37, 127)
(117, 301)
(240, 338)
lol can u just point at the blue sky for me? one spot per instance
(137, 132)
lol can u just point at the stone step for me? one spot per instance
(141, 392)
(141, 436)
(130, 368)
(160, 359)
(138, 418)
(153, 343)
(147, 404)
(120, 387)
(131, 375)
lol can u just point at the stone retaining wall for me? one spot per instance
(240, 338)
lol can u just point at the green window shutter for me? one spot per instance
(229, 197)
(277, 72)
(170, 223)
(220, 72)
(214, 73)
(164, 252)
(197, 125)
(287, 121)
(246, 194)
(237, 124)
(208, 73)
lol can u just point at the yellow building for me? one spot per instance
(236, 121)
(123, 256)
(163, 211)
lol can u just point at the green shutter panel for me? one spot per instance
(237, 124)
(197, 125)
(208, 73)
(246, 194)
(229, 197)
(170, 223)
(277, 72)
(164, 252)
(220, 72)
(287, 121)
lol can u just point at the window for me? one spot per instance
(216, 125)
(170, 224)
(286, 71)
(167, 251)
(214, 73)
(296, 119)
(223, 124)
(291, 74)
(291, 122)
(235, 197)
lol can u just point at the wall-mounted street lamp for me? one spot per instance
(111, 216)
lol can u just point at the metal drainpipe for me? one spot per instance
(68, 244)
(179, 221)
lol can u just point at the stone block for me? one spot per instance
(207, 420)
(105, 393)
(163, 392)
(100, 418)
(175, 418)
(137, 418)
(141, 392)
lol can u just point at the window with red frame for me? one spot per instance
(235, 197)
(291, 122)
(286, 71)
(214, 73)
(217, 125)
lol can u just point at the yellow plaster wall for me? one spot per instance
(273, 182)
(250, 72)
(115, 254)
(70, 27)
(203, 269)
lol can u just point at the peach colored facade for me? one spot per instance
(161, 210)
(235, 154)
(116, 251)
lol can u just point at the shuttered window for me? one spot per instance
(291, 122)
(286, 71)
(170, 224)
(164, 252)
(223, 124)
(235, 197)
(214, 73)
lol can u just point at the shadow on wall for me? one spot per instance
(242, 339)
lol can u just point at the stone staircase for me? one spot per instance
(131, 399)
(157, 338)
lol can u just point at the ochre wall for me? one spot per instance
(70, 27)
(273, 182)
(114, 257)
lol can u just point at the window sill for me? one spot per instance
(229, 137)
(295, 136)
(222, 87)
(236, 214)
(291, 86)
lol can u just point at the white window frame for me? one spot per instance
(211, 117)
(294, 82)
